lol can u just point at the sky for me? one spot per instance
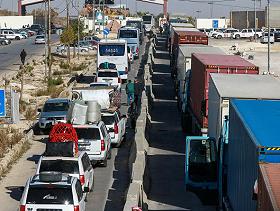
(194, 8)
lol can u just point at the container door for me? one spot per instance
(201, 169)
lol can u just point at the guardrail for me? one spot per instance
(139, 173)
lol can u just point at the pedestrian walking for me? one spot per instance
(137, 89)
(132, 113)
(22, 55)
(129, 91)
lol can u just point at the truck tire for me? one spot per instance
(104, 163)
(237, 36)
(219, 37)
(110, 154)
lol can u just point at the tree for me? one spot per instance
(140, 14)
(24, 70)
(76, 32)
(66, 38)
(191, 20)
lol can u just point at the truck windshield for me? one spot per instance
(202, 161)
(88, 133)
(111, 50)
(108, 120)
(61, 106)
(64, 166)
(49, 195)
(128, 33)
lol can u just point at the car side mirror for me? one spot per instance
(39, 110)
(86, 189)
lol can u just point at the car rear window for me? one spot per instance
(64, 166)
(49, 195)
(88, 133)
(108, 120)
(107, 74)
(61, 106)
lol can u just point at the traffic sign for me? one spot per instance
(99, 17)
(215, 23)
(106, 31)
(2, 103)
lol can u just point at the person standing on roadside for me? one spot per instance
(22, 55)
(129, 91)
(132, 113)
(137, 88)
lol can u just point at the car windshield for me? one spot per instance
(107, 74)
(40, 37)
(88, 133)
(49, 195)
(108, 120)
(111, 50)
(128, 33)
(64, 166)
(62, 106)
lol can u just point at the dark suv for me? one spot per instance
(37, 28)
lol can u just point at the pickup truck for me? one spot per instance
(10, 34)
(115, 125)
(245, 33)
(96, 141)
(226, 33)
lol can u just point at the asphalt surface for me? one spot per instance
(166, 156)
(9, 54)
(110, 183)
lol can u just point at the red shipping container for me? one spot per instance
(201, 67)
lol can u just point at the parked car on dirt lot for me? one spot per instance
(264, 38)
(226, 33)
(63, 49)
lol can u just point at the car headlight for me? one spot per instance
(43, 119)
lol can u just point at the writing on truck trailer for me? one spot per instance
(114, 51)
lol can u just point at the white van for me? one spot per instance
(131, 35)
(149, 23)
(114, 51)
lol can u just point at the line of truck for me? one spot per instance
(232, 113)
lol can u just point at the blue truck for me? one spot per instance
(222, 170)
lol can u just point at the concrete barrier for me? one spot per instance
(139, 173)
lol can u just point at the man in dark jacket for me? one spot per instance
(137, 88)
(22, 55)
(133, 113)
(129, 91)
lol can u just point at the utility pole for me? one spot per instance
(78, 30)
(93, 15)
(49, 39)
(103, 17)
(46, 69)
(68, 47)
(255, 35)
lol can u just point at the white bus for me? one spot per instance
(149, 23)
(114, 51)
(131, 35)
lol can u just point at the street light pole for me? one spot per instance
(46, 48)
(49, 38)
(198, 11)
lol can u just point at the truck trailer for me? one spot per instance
(196, 109)
(183, 66)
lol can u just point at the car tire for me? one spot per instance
(110, 154)
(92, 186)
(63, 51)
(3, 43)
(237, 36)
(104, 163)
(219, 37)
(83, 50)
(17, 38)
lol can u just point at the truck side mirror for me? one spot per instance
(203, 108)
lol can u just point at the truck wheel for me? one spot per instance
(110, 153)
(104, 163)
(219, 36)
(237, 36)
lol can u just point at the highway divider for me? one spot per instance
(139, 173)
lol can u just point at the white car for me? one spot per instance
(264, 38)
(96, 141)
(244, 33)
(109, 75)
(226, 33)
(78, 166)
(63, 49)
(40, 39)
(52, 191)
(10, 34)
(115, 125)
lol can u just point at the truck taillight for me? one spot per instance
(82, 179)
(125, 70)
(76, 208)
(116, 129)
(22, 207)
(102, 145)
(137, 50)
(95, 80)
(152, 27)
(119, 80)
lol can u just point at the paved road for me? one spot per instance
(110, 182)
(9, 54)
(166, 157)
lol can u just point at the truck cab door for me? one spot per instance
(201, 170)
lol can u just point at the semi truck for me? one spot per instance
(247, 140)
(183, 66)
(195, 107)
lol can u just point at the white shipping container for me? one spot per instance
(15, 22)
(201, 23)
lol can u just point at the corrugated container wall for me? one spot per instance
(269, 187)
(252, 125)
